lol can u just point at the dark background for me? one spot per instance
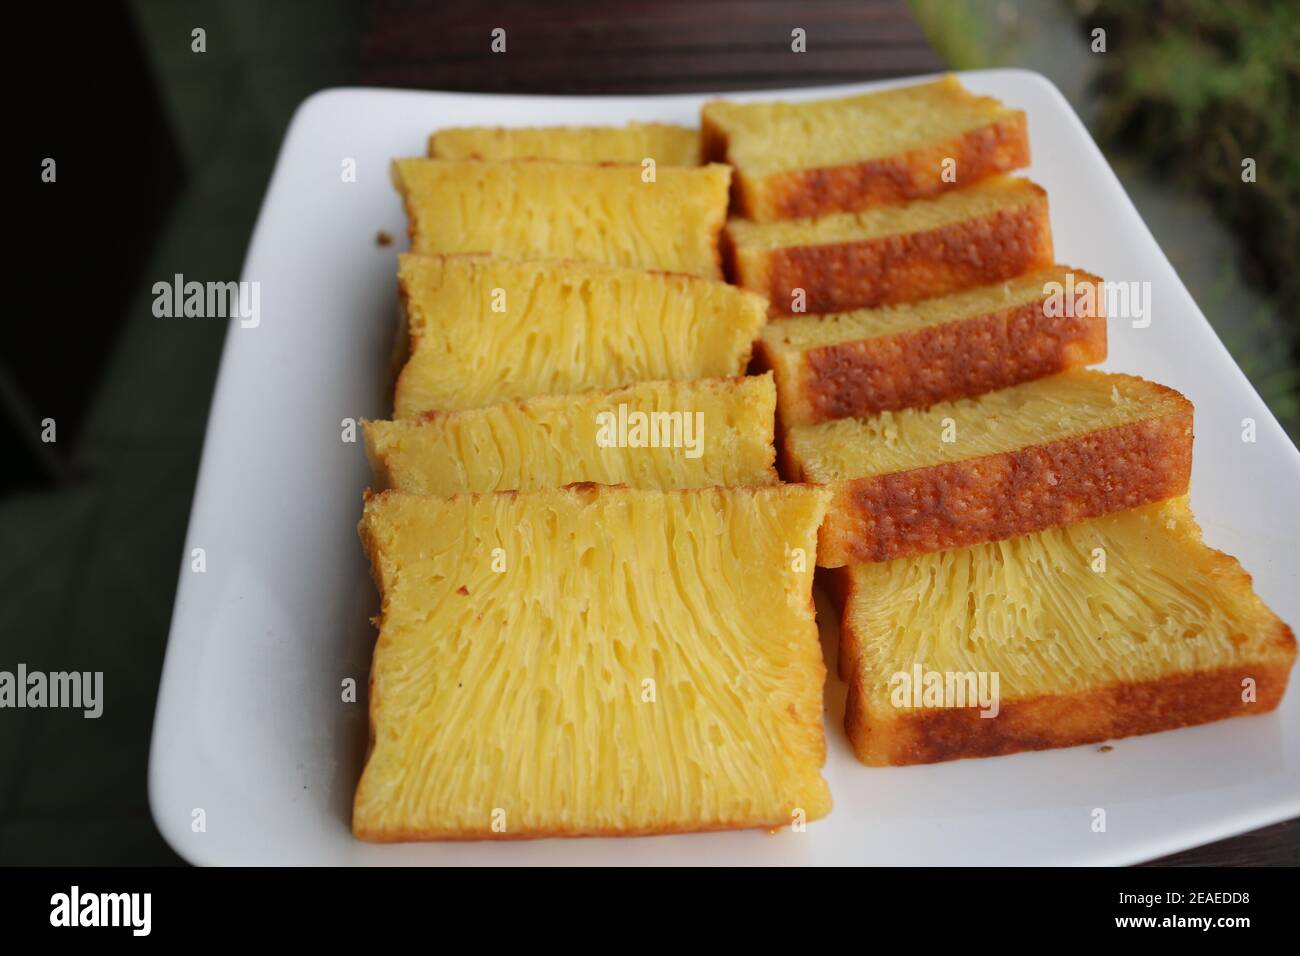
(163, 155)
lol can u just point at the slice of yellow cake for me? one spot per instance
(533, 209)
(593, 660)
(809, 158)
(1010, 462)
(649, 435)
(666, 144)
(957, 346)
(484, 330)
(1125, 624)
(991, 231)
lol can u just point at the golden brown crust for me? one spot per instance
(837, 277)
(937, 363)
(1039, 723)
(898, 736)
(945, 362)
(988, 150)
(999, 496)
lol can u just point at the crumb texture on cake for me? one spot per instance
(665, 143)
(912, 355)
(484, 330)
(799, 159)
(1045, 453)
(994, 230)
(650, 435)
(592, 660)
(531, 209)
(1123, 624)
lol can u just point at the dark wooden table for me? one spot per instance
(680, 46)
(664, 46)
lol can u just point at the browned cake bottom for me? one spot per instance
(802, 193)
(1000, 496)
(904, 268)
(944, 362)
(1041, 723)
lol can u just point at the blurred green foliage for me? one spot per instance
(1188, 89)
(1196, 87)
(1201, 85)
(958, 31)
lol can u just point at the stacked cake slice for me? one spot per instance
(933, 350)
(592, 660)
(483, 329)
(1125, 624)
(1010, 538)
(797, 160)
(597, 610)
(988, 232)
(610, 213)
(1038, 455)
(647, 435)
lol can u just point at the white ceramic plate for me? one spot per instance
(250, 726)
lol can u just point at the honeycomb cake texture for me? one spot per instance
(484, 330)
(649, 435)
(541, 209)
(1121, 625)
(592, 660)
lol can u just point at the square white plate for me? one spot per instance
(251, 728)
